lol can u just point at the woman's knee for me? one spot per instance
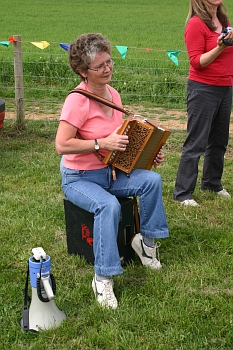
(153, 177)
(112, 205)
(152, 182)
(108, 211)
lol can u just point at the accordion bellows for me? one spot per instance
(146, 138)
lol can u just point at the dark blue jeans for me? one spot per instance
(209, 110)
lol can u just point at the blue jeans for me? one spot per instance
(95, 191)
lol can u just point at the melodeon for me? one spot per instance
(146, 138)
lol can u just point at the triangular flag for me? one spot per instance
(65, 46)
(41, 44)
(5, 43)
(122, 50)
(172, 55)
(12, 40)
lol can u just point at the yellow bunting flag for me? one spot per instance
(41, 44)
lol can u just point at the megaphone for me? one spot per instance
(43, 312)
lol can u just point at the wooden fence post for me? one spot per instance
(18, 73)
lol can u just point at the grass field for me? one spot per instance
(186, 306)
(144, 77)
(144, 24)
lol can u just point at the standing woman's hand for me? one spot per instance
(228, 37)
(159, 159)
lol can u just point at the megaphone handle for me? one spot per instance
(39, 294)
(47, 287)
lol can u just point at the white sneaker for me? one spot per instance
(224, 193)
(104, 293)
(145, 253)
(190, 202)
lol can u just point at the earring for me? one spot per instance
(85, 80)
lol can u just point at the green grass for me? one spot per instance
(142, 78)
(144, 23)
(187, 305)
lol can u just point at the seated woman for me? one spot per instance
(88, 183)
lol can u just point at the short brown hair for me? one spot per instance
(83, 50)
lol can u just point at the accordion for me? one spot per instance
(146, 138)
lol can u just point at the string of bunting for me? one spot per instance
(172, 54)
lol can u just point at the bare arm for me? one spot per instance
(67, 143)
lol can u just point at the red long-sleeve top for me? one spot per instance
(200, 39)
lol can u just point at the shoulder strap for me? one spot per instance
(108, 103)
(25, 311)
(102, 100)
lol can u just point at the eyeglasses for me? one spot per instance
(103, 66)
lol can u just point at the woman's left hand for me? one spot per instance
(159, 159)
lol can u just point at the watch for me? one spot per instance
(97, 147)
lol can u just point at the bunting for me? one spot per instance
(122, 50)
(12, 40)
(40, 44)
(5, 43)
(172, 54)
(65, 46)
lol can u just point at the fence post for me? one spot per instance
(18, 73)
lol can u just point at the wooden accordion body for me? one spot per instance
(146, 138)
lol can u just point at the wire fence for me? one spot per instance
(35, 83)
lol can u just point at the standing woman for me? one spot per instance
(209, 99)
(88, 183)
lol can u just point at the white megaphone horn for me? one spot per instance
(43, 312)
